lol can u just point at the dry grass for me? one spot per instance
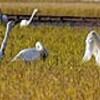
(74, 9)
(62, 76)
(50, 1)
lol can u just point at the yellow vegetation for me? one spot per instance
(62, 76)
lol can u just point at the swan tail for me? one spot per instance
(15, 58)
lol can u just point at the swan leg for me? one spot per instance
(27, 62)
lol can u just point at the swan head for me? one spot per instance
(43, 51)
(90, 37)
(10, 24)
(35, 10)
(93, 33)
(39, 46)
(96, 38)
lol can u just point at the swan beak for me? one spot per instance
(44, 54)
(12, 23)
(36, 10)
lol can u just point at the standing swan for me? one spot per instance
(28, 22)
(32, 53)
(10, 25)
(92, 47)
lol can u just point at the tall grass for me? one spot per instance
(62, 76)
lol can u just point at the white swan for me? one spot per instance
(3, 18)
(32, 53)
(92, 47)
(10, 25)
(28, 22)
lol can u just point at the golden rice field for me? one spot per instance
(62, 76)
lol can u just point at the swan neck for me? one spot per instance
(4, 43)
(29, 21)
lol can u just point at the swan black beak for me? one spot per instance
(44, 54)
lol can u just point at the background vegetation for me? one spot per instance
(69, 9)
(49, 1)
(63, 76)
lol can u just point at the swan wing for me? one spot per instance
(89, 50)
(27, 55)
(23, 23)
